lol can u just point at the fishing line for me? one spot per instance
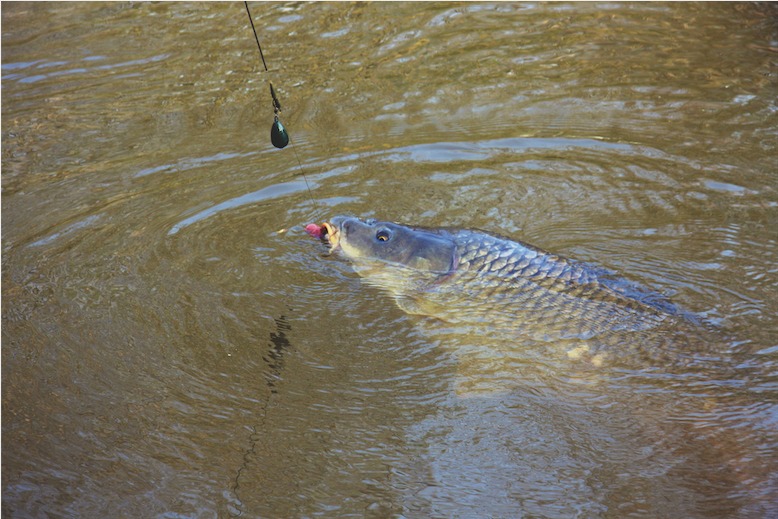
(255, 36)
(279, 137)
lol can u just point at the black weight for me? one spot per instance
(278, 135)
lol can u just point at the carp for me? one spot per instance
(473, 277)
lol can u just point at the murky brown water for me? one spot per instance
(167, 353)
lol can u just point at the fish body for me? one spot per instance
(508, 295)
(474, 277)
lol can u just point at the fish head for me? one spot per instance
(376, 243)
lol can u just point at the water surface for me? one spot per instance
(174, 345)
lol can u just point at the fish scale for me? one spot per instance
(563, 297)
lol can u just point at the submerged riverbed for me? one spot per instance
(175, 345)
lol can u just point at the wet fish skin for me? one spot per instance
(471, 276)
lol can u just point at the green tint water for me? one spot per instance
(167, 352)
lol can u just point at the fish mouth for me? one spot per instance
(332, 235)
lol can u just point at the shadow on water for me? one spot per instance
(275, 355)
(279, 345)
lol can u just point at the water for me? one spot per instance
(175, 345)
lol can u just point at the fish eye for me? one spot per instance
(382, 235)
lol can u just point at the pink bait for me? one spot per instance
(314, 230)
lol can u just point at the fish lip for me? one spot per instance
(333, 235)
